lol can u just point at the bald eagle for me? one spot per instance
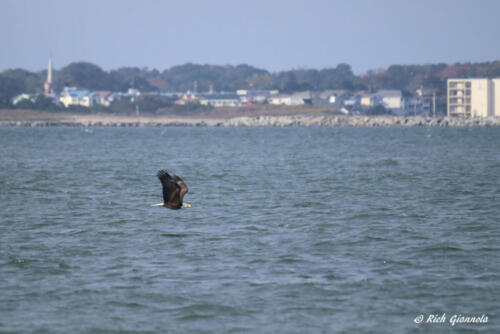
(174, 190)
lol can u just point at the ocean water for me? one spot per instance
(291, 230)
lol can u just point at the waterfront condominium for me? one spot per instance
(473, 97)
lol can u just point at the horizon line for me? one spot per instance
(298, 68)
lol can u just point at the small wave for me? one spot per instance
(174, 235)
(219, 176)
(196, 316)
(288, 259)
(47, 266)
(204, 311)
(442, 249)
(379, 163)
(127, 304)
(332, 277)
(21, 262)
(257, 261)
(473, 228)
(387, 162)
(488, 249)
(326, 243)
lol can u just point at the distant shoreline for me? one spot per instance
(28, 118)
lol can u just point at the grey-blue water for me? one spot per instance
(291, 230)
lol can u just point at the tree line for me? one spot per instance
(190, 76)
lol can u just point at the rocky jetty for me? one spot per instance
(277, 121)
(363, 121)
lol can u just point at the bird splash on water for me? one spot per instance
(174, 190)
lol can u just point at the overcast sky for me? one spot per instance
(274, 35)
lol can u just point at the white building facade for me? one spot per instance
(222, 100)
(392, 99)
(295, 99)
(74, 97)
(473, 97)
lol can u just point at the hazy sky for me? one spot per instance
(274, 35)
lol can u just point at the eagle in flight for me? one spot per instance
(174, 190)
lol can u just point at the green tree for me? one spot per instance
(289, 82)
(222, 78)
(10, 87)
(5, 101)
(43, 102)
(132, 77)
(25, 104)
(151, 103)
(29, 81)
(260, 81)
(84, 75)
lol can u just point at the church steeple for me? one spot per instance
(48, 84)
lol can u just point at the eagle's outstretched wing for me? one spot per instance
(183, 188)
(174, 189)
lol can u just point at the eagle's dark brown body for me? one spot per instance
(174, 190)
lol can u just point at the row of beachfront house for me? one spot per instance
(344, 100)
(347, 101)
(71, 96)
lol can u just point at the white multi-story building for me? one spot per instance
(473, 97)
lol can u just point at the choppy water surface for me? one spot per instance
(294, 230)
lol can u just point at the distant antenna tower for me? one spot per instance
(195, 87)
